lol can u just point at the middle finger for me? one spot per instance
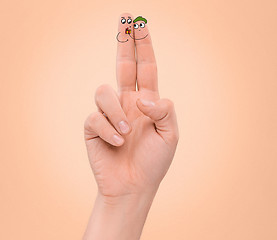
(146, 63)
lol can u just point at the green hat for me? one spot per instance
(140, 18)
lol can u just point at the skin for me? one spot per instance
(128, 173)
(141, 32)
(124, 22)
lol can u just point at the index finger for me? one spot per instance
(125, 60)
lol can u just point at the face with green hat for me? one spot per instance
(140, 28)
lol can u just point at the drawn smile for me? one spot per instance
(119, 40)
(139, 38)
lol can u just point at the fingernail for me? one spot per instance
(123, 126)
(147, 103)
(117, 139)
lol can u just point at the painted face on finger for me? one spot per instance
(125, 29)
(140, 29)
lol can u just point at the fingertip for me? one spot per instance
(125, 127)
(130, 129)
(126, 14)
(117, 140)
(146, 103)
(143, 107)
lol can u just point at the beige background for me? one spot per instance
(216, 60)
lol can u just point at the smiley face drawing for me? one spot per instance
(139, 27)
(125, 29)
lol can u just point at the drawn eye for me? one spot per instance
(123, 20)
(136, 25)
(129, 21)
(142, 25)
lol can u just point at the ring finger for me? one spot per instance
(108, 102)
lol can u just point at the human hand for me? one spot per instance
(129, 160)
(135, 160)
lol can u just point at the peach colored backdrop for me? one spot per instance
(217, 61)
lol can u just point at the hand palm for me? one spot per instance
(120, 171)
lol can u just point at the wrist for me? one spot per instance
(141, 199)
(122, 216)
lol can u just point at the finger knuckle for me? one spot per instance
(168, 103)
(91, 119)
(177, 136)
(174, 137)
(102, 89)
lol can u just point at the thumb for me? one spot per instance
(163, 114)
